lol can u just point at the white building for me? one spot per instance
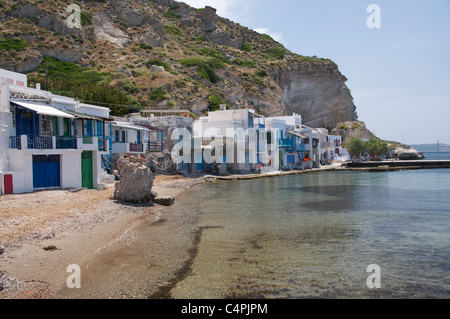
(227, 138)
(49, 141)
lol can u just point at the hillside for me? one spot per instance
(162, 53)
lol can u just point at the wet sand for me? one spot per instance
(123, 251)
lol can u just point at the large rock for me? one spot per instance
(165, 200)
(350, 129)
(208, 19)
(406, 152)
(105, 29)
(318, 93)
(63, 54)
(136, 181)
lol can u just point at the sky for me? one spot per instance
(398, 73)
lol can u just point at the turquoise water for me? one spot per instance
(314, 235)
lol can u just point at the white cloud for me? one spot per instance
(277, 36)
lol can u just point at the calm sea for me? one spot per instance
(314, 236)
(435, 155)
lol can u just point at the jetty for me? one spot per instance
(397, 165)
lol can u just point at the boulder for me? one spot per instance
(136, 181)
(165, 200)
(407, 153)
(208, 19)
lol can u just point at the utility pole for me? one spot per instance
(438, 149)
(46, 74)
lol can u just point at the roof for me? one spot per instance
(43, 109)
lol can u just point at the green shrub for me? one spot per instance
(213, 53)
(13, 44)
(246, 47)
(171, 15)
(262, 73)
(86, 18)
(267, 37)
(215, 102)
(130, 87)
(276, 53)
(259, 80)
(145, 46)
(158, 94)
(173, 30)
(244, 63)
(204, 69)
(159, 63)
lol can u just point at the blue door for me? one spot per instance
(46, 171)
(291, 159)
(89, 128)
(199, 161)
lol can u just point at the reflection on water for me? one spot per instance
(313, 236)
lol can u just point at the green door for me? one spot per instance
(86, 170)
(66, 127)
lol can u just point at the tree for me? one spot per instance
(356, 146)
(376, 147)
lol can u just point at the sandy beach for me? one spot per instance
(42, 233)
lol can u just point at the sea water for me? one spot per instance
(315, 235)
(437, 156)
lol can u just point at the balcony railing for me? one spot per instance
(104, 143)
(37, 142)
(155, 146)
(40, 142)
(66, 143)
(15, 142)
(139, 148)
(88, 140)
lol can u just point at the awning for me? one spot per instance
(43, 109)
(87, 116)
(129, 126)
(150, 127)
(297, 134)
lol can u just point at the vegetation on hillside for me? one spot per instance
(197, 70)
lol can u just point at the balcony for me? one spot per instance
(36, 142)
(118, 148)
(288, 144)
(155, 146)
(66, 143)
(137, 148)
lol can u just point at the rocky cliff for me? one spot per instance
(163, 53)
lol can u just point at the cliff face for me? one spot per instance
(205, 59)
(319, 94)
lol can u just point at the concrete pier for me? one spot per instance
(391, 165)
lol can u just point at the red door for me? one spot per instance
(8, 184)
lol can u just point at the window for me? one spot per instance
(116, 136)
(124, 136)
